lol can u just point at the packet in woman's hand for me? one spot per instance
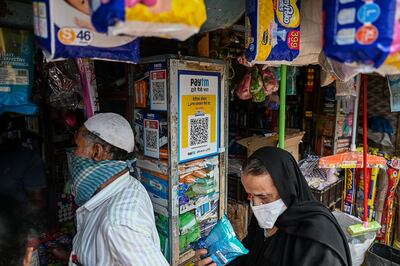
(222, 244)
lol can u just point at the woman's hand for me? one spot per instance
(203, 262)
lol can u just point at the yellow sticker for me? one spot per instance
(288, 13)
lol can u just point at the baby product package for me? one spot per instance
(172, 19)
(360, 32)
(63, 29)
(272, 30)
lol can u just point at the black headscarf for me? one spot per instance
(305, 217)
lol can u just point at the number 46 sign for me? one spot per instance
(199, 114)
(74, 36)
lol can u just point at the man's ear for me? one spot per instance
(98, 153)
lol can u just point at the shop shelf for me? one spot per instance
(330, 195)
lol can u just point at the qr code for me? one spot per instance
(199, 130)
(151, 141)
(158, 91)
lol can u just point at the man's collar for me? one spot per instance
(109, 191)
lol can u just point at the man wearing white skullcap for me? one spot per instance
(115, 221)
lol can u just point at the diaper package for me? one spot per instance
(222, 244)
(360, 32)
(272, 30)
(63, 29)
(172, 19)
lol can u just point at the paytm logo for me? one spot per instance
(199, 82)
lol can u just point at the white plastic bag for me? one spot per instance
(358, 245)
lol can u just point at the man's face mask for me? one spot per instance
(267, 214)
(89, 175)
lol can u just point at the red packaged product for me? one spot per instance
(384, 236)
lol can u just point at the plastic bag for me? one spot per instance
(178, 19)
(358, 245)
(347, 88)
(257, 86)
(64, 83)
(222, 244)
(63, 30)
(270, 83)
(243, 91)
(272, 30)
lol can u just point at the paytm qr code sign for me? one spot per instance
(158, 90)
(151, 138)
(199, 114)
(199, 130)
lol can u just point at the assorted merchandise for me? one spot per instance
(317, 178)
(258, 84)
(385, 236)
(50, 241)
(64, 29)
(89, 86)
(359, 36)
(65, 84)
(189, 230)
(162, 224)
(197, 180)
(173, 19)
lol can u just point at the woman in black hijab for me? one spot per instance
(289, 227)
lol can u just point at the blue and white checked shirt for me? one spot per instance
(117, 227)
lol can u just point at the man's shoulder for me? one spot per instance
(131, 206)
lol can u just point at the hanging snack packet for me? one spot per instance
(360, 32)
(63, 30)
(16, 71)
(222, 244)
(272, 30)
(385, 235)
(172, 19)
(257, 86)
(243, 91)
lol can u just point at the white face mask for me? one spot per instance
(267, 214)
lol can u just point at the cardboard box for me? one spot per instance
(238, 214)
(292, 141)
(156, 185)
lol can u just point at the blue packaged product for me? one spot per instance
(63, 29)
(272, 30)
(358, 31)
(16, 71)
(222, 244)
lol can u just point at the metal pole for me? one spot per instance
(355, 114)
